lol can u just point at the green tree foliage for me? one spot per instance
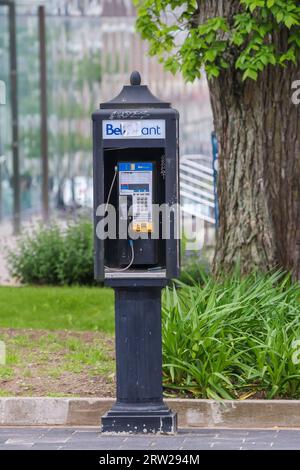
(245, 40)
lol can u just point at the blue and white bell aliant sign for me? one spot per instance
(137, 129)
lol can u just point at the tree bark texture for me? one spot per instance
(258, 128)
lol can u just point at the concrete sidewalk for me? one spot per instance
(195, 413)
(57, 438)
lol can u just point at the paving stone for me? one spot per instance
(22, 441)
(263, 434)
(29, 430)
(162, 445)
(46, 447)
(54, 440)
(282, 446)
(139, 440)
(197, 431)
(65, 432)
(230, 433)
(15, 447)
(287, 433)
(199, 449)
(87, 435)
(89, 446)
(90, 438)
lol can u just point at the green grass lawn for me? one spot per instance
(230, 338)
(57, 363)
(76, 359)
(57, 308)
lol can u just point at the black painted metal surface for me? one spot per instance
(139, 406)
(135, 95)
(136, 102)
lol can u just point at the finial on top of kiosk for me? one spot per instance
(135, 96)
(135, 78)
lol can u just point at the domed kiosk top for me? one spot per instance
(135, 95)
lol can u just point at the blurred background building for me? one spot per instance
(92, 47)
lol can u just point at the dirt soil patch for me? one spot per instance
(57, 363)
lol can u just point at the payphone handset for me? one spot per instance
(136, 190)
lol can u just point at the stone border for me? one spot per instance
(31, 411)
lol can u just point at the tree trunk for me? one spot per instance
(258, 128)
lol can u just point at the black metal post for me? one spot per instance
(14, 113)
(139, 406)
(44, 113)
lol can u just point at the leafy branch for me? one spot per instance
(247, 42)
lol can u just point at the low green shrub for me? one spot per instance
(76, 263)
(55, 256)
(233, 338)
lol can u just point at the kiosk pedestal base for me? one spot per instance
(140, 421)
(139, 407)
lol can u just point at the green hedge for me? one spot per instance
(55, 256)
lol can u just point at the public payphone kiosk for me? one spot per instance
(136, 196)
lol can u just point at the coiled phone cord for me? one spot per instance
(130, 241)
(129, 265)
(110, 189)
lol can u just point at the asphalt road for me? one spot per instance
(86, 438)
